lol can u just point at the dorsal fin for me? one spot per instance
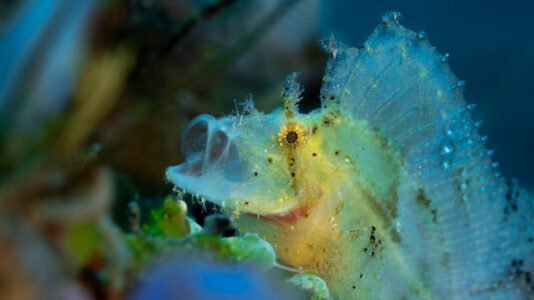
(404, 89)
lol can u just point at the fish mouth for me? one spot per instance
(287, 217)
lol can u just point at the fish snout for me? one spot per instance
(210, 150)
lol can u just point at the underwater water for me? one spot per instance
(165, 149)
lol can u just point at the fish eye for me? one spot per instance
(291, 134)
(292, 137)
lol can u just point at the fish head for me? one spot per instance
(245, 163)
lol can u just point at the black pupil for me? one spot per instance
(291, 137)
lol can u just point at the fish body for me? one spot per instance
(386, 191)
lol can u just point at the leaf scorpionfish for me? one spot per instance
(386, 191)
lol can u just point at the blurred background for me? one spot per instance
(94, 96)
